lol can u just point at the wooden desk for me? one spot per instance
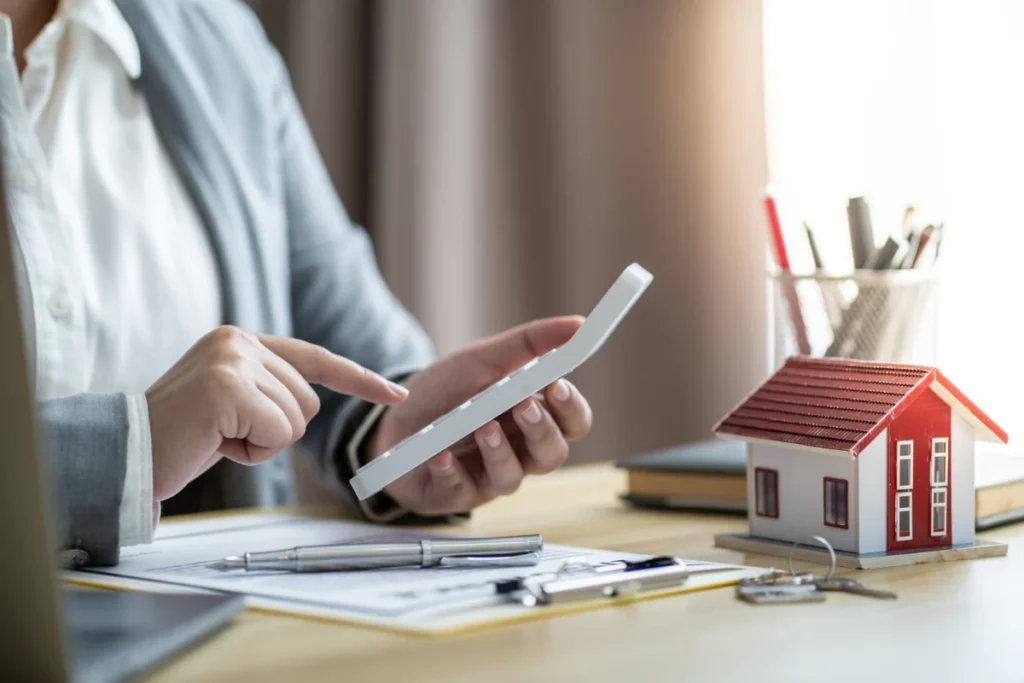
(954, 621)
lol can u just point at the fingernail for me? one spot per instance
(493, 439)
(532, 413)
(561, 390)
(397, 389)
(442, 462)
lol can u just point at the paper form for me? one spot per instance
(406, 598)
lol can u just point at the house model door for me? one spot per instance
(918, 476)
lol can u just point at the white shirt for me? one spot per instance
(121, 272)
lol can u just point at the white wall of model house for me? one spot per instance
(801, 473)
(873, 498)
(961, 481)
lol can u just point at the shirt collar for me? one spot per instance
(104, 19)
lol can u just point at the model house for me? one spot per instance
(876, 458)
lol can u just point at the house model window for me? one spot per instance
(904, 513)
(940, 462)
(836, 503)
(767, 492)
(940, 485)
(905, 464)
(904, 484)
(938, 512)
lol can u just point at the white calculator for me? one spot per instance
(506, 392)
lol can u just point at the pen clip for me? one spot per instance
(514, 560)
(636, 577)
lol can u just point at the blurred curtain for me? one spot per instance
(511, 157)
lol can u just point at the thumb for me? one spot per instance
(514, 348)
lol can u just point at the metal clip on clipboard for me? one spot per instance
(619, 580)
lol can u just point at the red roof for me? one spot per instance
(842, 405)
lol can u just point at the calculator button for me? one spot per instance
(524, 368)
(400, 444)
(490, 389)
(442, 419)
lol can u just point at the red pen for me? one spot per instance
(788, 286)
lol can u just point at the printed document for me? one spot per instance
(432, 600)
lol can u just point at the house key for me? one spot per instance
(776, 588)
(846, 585)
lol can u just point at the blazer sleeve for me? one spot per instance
(339, 299)
(85, 439)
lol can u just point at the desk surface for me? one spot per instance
(953, 621)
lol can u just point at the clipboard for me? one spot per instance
(451, 600)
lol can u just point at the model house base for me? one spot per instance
(810, 553)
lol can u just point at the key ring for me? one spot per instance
(831, 556)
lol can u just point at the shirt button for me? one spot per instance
(60, 306)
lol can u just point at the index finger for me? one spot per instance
(319, 366)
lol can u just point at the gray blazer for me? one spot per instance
(290, 261)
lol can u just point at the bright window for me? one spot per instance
(939, 511)
(766, 492)
(836, 500)
(904, 532)
(940, 462)
(904, 464)
(910, 102)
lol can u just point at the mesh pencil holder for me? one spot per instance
(888, 316)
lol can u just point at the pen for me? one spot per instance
(940, 231)
(788, 286)
(908, 222)
(862, 238)
(913, 242)
(926, 236)
(882, 257)
(458, 552)
(819, 265)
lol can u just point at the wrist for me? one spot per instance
(359, 450)
(380, 433)
(364, 438)
(373, 445)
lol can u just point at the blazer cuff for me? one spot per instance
(86, 439)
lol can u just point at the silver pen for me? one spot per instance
(508, 551)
